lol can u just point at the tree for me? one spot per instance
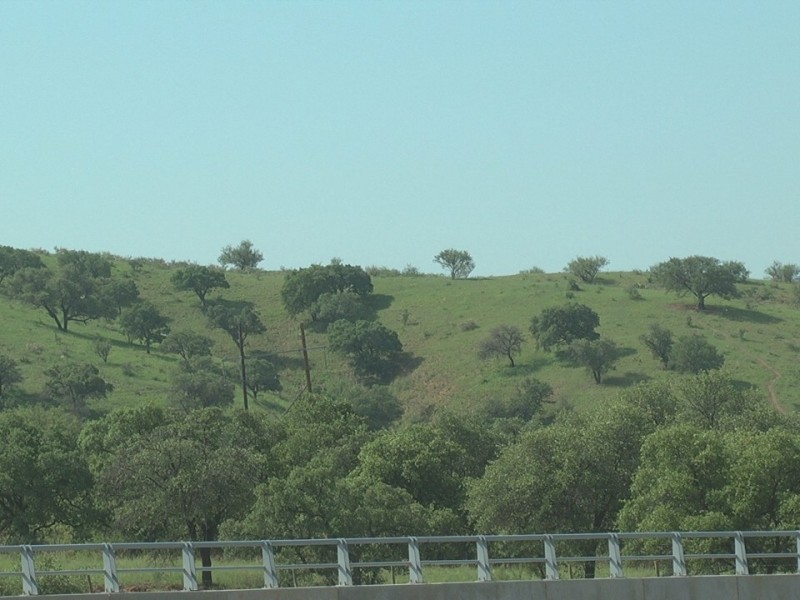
(303, 288)
(598, 356)
(783, 273)
(239, 323)
(187, 344)
(144, 322)
(571, 476)
(708, 399)
(377, 405)
(179, 480)
(525, 403)
(262, 375)
(458, 262)
(243, 256)
(13, 260)
(76, 383)
(693, 353)
(659, 341)
(586, 268)
(119, 293)
(372, 349)
(102, 347)
(560, 325)
(200, 280)
(504, 340)
(700, 276)
(72, 294)
(198, 383)
(331, 307)
(9, 374)
(45, 482)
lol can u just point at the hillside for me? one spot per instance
(440, 322)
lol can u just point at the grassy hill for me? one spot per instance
(440, 322)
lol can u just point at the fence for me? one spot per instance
(542, 550)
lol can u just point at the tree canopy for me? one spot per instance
(458, 262)
(243, 256)
(372, 349)
(700, 276)
(144, 322)
(503, 340)
(560, 325)
(200, 280)
(303, 288)
(586, 268)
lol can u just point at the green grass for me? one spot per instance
(758, 334)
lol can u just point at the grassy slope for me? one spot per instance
(760, 341)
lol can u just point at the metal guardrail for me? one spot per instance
(739, 558)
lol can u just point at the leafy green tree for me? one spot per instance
(525, 403)
(75, 383)
(10, 374)
(72, 294)
(262, 375)
(45, 483)
(504, 340)
(102, 347)
(598, 356)
(458, 262)
(679, 485)
(180, 480)
(700, 276)
(783, 273)
(710, 398)
(659, 341)
(239, 324)
(571, 476)
(303, 288)
(144, 322)
(120, 293)
(331, 307)
(187, 344)
(373, 350)
(198, 383)
(200, 280)
(377, 405)
(586, 268)
(243, 256)
(693, 354)
(560, 325)
(13, 260)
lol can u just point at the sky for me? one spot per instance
(381, 132)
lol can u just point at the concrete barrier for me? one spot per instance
(720, 587)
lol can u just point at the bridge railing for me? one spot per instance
(734, 551)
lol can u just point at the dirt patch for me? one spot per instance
(773, 397)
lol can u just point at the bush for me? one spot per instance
(693, 354)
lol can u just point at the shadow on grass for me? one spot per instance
(376, 302)
(627, 379)
(743, 315)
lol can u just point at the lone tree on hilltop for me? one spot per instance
(505, 340)
(700, 276)
(458, 262)
(586, 268)
(560, 325)
(243, 256)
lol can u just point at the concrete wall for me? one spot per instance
(723, 587)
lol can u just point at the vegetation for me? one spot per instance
(549, 451)
(504, 340)
(458, 262)
(242, 257)
(586, 268)
(700, 276)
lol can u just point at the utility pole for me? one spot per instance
(305, 357)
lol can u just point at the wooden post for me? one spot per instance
(305, 357)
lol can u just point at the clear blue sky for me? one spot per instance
(527, 133)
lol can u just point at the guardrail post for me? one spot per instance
(343, 558)
(678, 560)
(484, 568)
(614, 556)
(797, 549)
(110, 580)
(189, 568)
(414, 561)
(29, 585)
(268, 560)
(741, 554)
(550, 561)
